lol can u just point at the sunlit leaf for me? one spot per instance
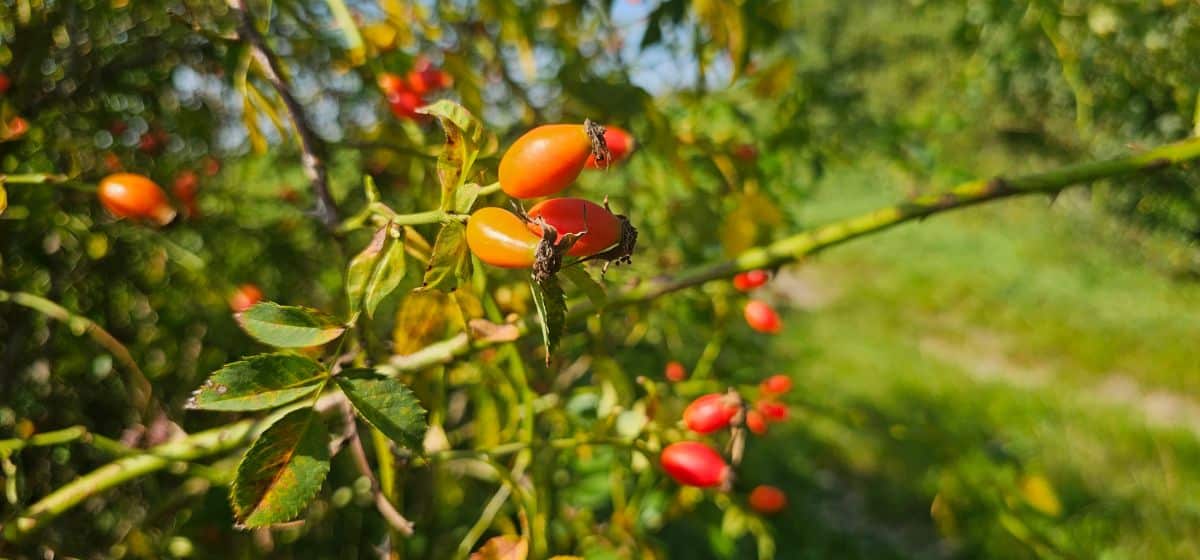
(465, 198)
(288, 327)
(421, 320)
(381, 35)
(504, 547)
(3, 199)
(450, 264)
(464, 136)
(1040, 494)
(376, 272)
(551, 306)
(282, 470)
(259, 382)
(386, 404)
(345, 22)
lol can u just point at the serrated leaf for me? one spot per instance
(287, 326)
(386, 404)
(584, 281)
(504, 547)
(258, 382)
(464, 135)
(375, 272)
(282, 470)
(551, 306)
(450, 264)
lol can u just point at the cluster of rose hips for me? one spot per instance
(543, 162)
(406, 93)
(759, 314)
(693, 463)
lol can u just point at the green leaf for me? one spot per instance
(282, 470)
(465, 198)
(288, 327)
(584, 281)
(450, 264)
(258, 382)
(386, 404)
(354, 42)
(551, 306)
(464, 136)
(376, 271)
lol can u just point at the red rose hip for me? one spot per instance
(694, 464)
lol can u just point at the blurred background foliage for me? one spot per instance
(915, 433)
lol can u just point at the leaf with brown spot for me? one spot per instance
(282, 470)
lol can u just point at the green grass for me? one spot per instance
(965, 356)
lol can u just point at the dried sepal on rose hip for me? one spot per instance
(620, 144)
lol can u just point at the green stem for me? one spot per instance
(801, 245)
(33, 179)
(196, 446)
(140, 389)
(66, 435)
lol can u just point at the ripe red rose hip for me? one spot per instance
(762, 318)
(675, 371)
(694, 464)
(776, 385)
(17, 127)
(404, 104)
(576, 215)
(710, 413)
(767, 499)
(772, 411)
(244, 297)
(129, 195)
(747, 281)
(756, 422)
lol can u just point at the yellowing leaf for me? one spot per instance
(1040, 495)
(381, 35)
(354, 42)
(504, 547)
(282, 471)
(420, 321)
(753, 218)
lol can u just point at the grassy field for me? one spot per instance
(1016, 380)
